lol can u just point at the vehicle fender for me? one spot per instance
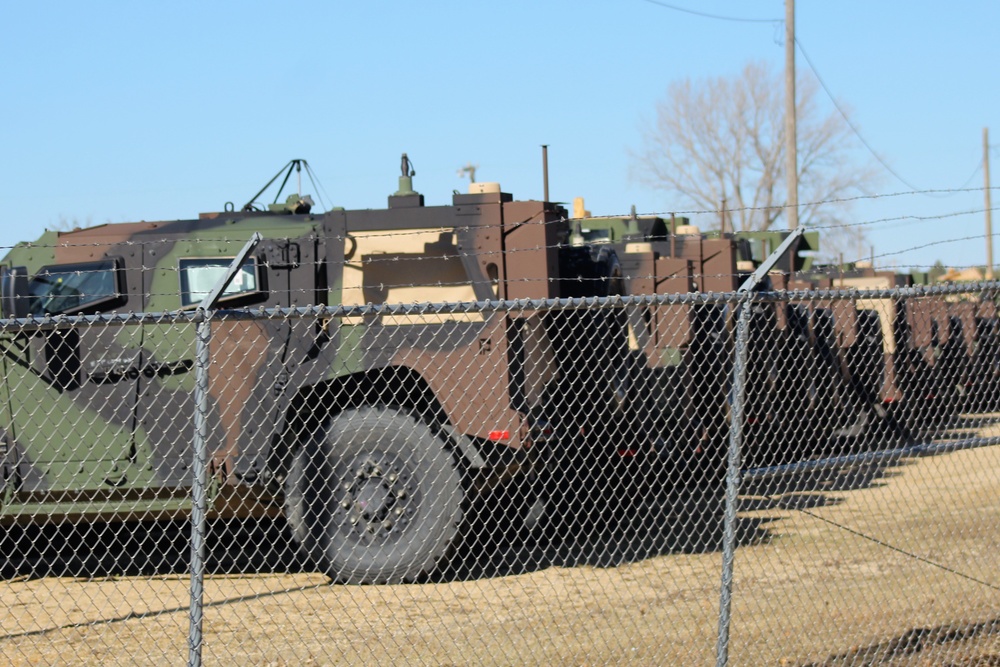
(464, 445)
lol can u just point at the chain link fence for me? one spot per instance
(614, 476)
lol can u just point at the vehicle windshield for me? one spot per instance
(71, 288)
(199, 277)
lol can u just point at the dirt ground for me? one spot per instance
(881, 564)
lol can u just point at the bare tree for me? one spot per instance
(724, 138)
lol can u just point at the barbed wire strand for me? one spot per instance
(892, 547)
(621, 216)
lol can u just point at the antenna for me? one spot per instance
(293, 165)
(470, 170)
(545, 172)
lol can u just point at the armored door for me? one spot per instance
(249, 374)
(72, 387)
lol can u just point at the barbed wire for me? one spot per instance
(931, 244)
(195, 315)
(563, 219)
(374, 261)
(831, 272)
(456, 251)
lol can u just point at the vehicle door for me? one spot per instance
(249, 369)
(71, 390)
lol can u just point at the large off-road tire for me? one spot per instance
(374, 497)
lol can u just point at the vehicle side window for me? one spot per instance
(87, 287)
(199, 276)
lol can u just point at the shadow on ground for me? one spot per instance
(615, 523)
(151, 548)
(689, 522)
(608, 534)
(927, 645)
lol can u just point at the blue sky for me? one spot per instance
(125, 111)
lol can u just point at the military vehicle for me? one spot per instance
(925, 353)
(375, 430)
(823, 375)
(369, 431)
(797, 400)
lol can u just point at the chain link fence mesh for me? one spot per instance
(488, 481)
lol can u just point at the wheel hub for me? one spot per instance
(377, 498)
(372, 497)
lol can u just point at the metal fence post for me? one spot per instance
(199, 489)
(734, 455)
(732, 482)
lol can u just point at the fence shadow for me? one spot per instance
(684, 522)
(923, 642)
(811, 488)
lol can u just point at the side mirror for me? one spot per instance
(14, 291)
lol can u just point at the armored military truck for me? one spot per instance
(822, 374)
(375, 430)
(791, 414)
(369, 429)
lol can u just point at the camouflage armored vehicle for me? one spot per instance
(925, 354)
(791, 414)
(822, 374)
(376, 430)
(370, 431)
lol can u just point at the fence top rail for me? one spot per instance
(197, 315)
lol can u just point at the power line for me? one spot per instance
(861, 138)
(711, 16)
(854, 129)
(848, 120)
(972, 175)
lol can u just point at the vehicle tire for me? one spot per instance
(374, 497)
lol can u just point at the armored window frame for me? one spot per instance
(106, 275)
(239, 292)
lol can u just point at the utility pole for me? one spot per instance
(989, 218)
(791, 139)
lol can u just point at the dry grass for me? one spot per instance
(887, 565)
